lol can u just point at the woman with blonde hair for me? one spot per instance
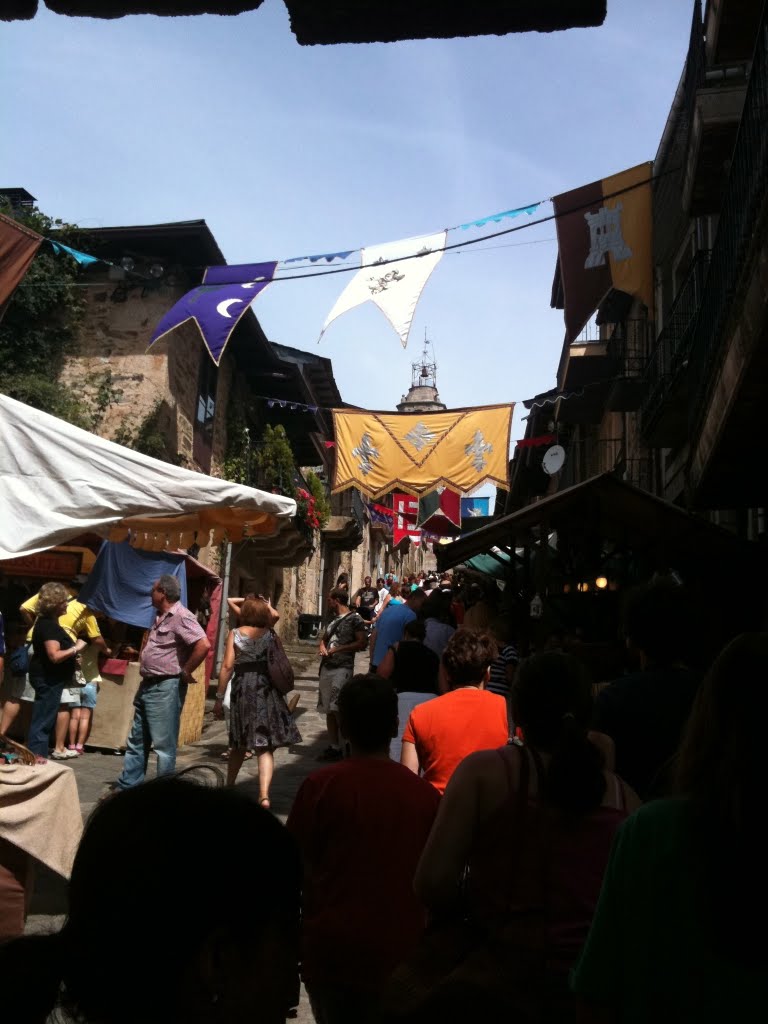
(259, 718)
(52, 666)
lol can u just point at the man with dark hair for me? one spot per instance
(443, 731)
(366, 599)
(176, 644)
(345, 635)
(644, 713)
(391, 623)
(361, 826)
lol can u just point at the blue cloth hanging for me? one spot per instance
(121, 581)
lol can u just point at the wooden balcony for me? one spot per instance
(346, 525)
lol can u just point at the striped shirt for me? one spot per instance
(170, 640)
(498, 681)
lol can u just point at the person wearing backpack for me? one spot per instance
(345, 635)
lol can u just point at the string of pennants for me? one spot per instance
(604, 228)
(430, 519)
(603, 242)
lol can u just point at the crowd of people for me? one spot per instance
(495, 836)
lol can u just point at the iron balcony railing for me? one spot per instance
(669, 217)
(673, 345)
(743, 203)
(629, 344)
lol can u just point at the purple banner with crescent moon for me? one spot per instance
(217, 308)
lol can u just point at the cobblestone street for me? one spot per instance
(96, 770)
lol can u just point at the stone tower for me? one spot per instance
(422, 395)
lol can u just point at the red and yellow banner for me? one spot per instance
(604, 243)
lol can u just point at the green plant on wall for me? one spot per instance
(268, 463)
(316, 488)
(148, 437)
(274, 458)
(40, 327)
(238, 464)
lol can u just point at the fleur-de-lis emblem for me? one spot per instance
(478, 450)
(419, 436)
(366, 453)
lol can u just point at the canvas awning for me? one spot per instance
(612, 509)
(491, 563)
(58, 482)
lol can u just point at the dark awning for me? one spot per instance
(615, 510)
(356, 21)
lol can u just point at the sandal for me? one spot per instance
(293, 702)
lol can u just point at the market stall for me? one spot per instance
(58, 482)
(63, 491)
(578, 552)
(118, 587)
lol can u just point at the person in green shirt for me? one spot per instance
(681, 927)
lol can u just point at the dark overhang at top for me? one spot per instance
(356, 21)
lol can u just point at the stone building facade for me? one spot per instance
(666, 398)
(172, 402)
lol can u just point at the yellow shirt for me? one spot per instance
(89, 661)
(77, 620)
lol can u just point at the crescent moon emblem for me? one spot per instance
(252, 284)
(223, 307)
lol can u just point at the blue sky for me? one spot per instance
(286, 150)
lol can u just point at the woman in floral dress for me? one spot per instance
(259, 718)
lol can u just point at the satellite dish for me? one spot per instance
(554, 458)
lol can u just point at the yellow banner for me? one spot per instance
(379, 452)
(634, 274)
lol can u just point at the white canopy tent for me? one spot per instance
(58, 481)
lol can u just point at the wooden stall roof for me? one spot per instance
(618, 511)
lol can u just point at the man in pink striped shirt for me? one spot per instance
(176, 644)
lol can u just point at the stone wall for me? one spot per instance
(301, 588)
(162, 382)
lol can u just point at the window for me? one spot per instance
(205, 413)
